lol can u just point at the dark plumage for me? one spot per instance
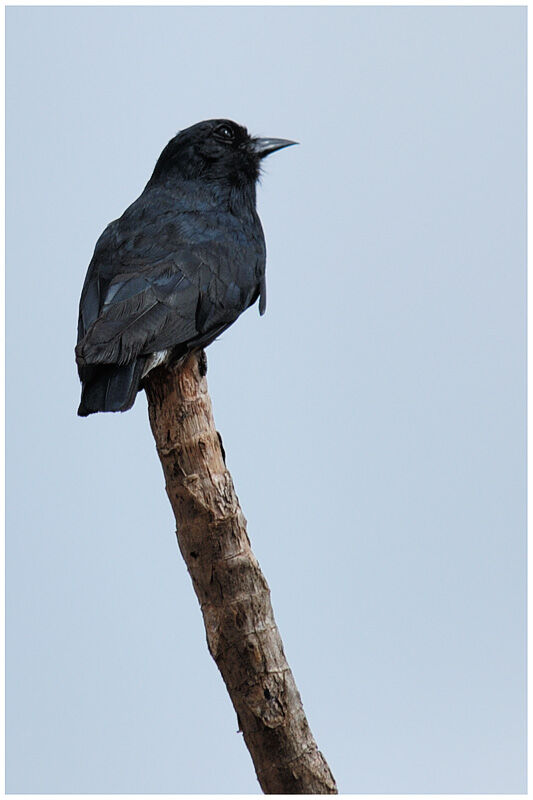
(178, 267)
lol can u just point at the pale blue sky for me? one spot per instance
(374, 419)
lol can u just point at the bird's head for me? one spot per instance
(216, 149)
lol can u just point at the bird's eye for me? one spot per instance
(224, 133)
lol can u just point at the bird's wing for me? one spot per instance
(136, 308)
(160, 307)
(127, 246)
(160, 278)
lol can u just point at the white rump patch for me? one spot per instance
(155, 360)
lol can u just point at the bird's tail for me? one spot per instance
(107, 387)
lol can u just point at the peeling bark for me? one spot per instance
(242, 635)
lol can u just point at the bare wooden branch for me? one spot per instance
(234, 596)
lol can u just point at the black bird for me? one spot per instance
(178, 267)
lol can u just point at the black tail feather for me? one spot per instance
(107, 387)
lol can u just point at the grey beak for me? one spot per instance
(263, 147)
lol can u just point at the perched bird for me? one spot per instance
(178, 267)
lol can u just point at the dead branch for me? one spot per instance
(242, 635)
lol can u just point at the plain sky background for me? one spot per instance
(374, 419)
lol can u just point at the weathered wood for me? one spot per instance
(242, 635)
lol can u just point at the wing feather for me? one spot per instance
(161, 277)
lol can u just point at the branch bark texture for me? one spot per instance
(233, 594)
